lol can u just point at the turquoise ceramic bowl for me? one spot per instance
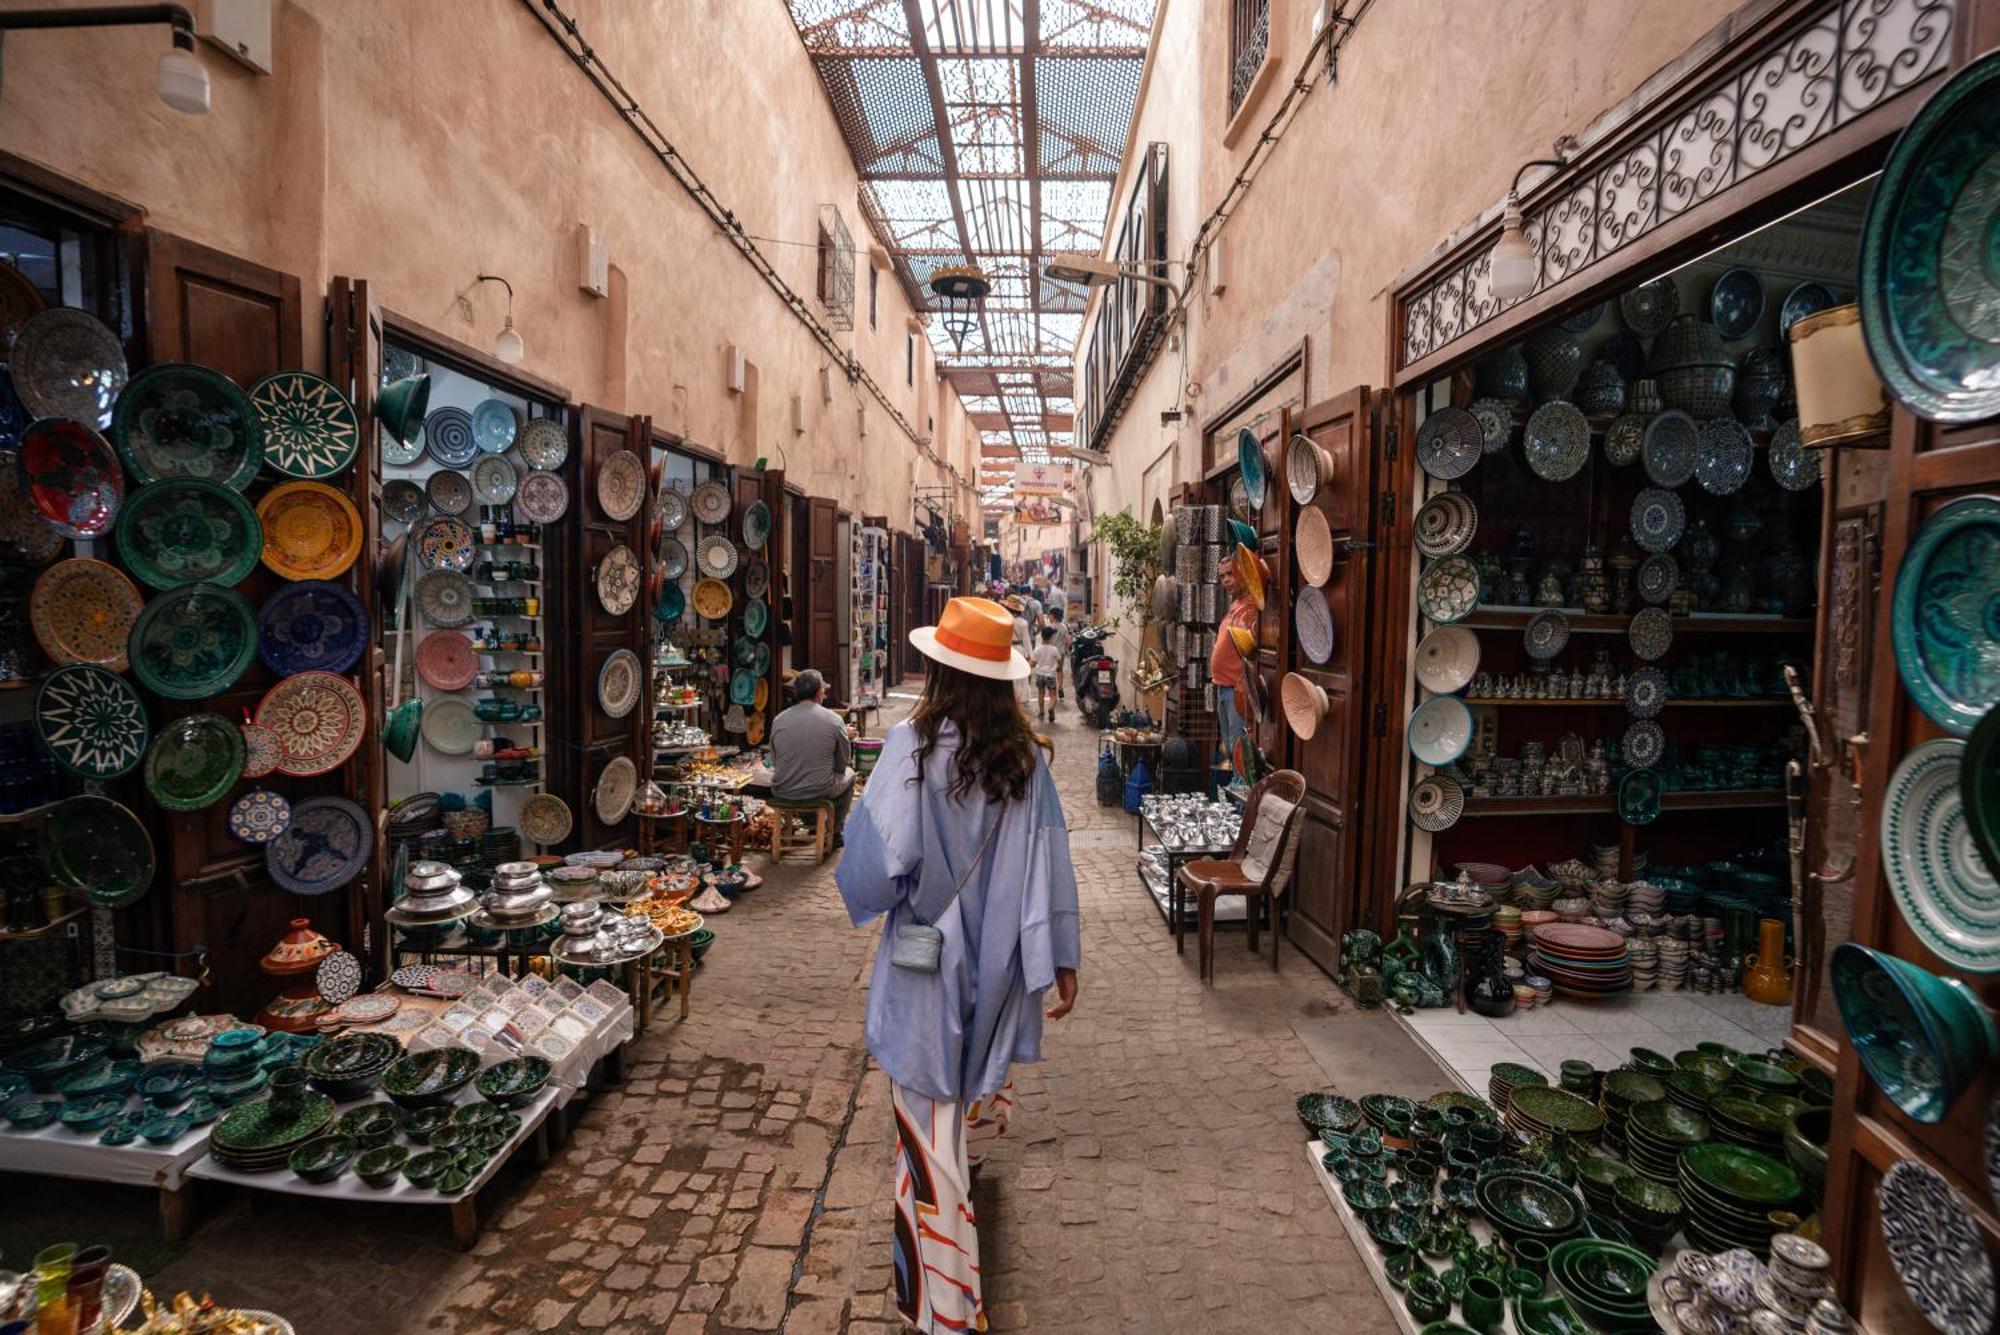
(1921, 1038)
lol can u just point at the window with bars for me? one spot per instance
(834, 276)
(1249, 39)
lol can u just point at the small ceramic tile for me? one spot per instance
(546, 1009)
(567, 988)
(590, 1008)
(514, 1001)
(531, 1021)
(571, 1026)
(457, 1017)
(534, 985)
(554, 1046)
(435, 1036)
(477, 1037)
(496, 1018)
(607, 993)
(484, 994)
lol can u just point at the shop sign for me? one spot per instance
(1041, 479)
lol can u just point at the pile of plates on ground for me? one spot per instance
(1505, 1078)
(1536, 1110)
(1621, 1092)
(1581, 960)
(1745, 1122)
(1755, 1077)
(1607, 899)
(1655, 1135)
(1645, 963)
(1691, 1089)
(259, 1137)
(1731, 1193)
(1507, 922)
(1674, 956)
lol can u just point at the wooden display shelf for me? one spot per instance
(1690, 702)
(1492, 616)
(1704, 800)
(46, 930)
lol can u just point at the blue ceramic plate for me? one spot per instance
(672, 603)
(1250, 459)
(1803, 300)
(494, 426)
(1736, 302)
(448, 436)
(1942, 616)
(743, 687)
(325, 847)
(315, 625)
(1930, 286)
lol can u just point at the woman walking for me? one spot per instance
(960, 841)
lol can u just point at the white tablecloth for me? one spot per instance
(56, 1152)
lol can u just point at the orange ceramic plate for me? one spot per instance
(82, 612)
(1250, 570)
(712, 599)
(311, 531)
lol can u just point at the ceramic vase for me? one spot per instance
(1554, 358)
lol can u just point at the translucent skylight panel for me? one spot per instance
(971, 25)
(1110, 24)
(992, 82)
(832, 25)
(988, 140)
(980, 403)
(1062, 330)
(996, 213)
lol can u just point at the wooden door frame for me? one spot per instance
(582, 520)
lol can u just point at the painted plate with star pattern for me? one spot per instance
(310, 429)
(91, 720)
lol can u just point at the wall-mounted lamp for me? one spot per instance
(508, 345)
(1514, 266)
(1094, 271)
(181, 80)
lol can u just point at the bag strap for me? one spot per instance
(992, 828)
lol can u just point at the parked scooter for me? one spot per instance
(1094, 674)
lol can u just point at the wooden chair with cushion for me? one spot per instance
(1259, 866)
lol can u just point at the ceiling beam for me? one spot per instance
(947, 149)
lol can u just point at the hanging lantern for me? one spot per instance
(959, 288)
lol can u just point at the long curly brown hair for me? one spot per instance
(996, 748)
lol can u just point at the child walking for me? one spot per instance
(1048, 667)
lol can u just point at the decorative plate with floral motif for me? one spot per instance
(543, 443)
(189, 531)
(311, 531)
(82, 611)
(542, 498)
(319, 718)
(68, 363)
(71, 478)
(315, 625)
(91, 720)
(193, 761)
(261, 748)
(618, 580)
(182, 420)
(193, 642)
(446, 543)
(259, 816)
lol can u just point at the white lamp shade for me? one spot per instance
(508, 346)
(1841, 399)
(182, 82)
(1514, 264)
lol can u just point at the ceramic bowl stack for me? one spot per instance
(1801, 1277)
(1536, 1110)
(346, 1068)
(1507, 925)
(1605, 1282)
(1655, 1135)
(433, 898)
(1733, 1291)
(1674, 956)
(1741, 1121)
(1692, 1089)
(1571, 908)
(259, 1137)
(1597, 1177)
(1608, 898)
(1604, 860)
(1731, 1193)
(1754, 1078)
(1645, 951)
(1532, 890)
(1526, 1205)
(1621, 1092)
(1581, 961)
(1647, 897)
(1505, 1078)
(519, 899)
(574, 885)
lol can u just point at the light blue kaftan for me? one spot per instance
(951, 1034)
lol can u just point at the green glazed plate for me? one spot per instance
(310, 429)
(188, 531)
(260, 1126)
(1529, 1203)
(1554, 1107)
(1942, 619)
(1669, 1123)
(95, 845)
(193, 761)
(1768, 1077)
(178, 420)
(1742, 1174)
(1754, 1116)
(91, 720)
(1943, 884)
(193, 642)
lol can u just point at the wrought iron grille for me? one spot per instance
(1838, 63)
(835, 283)
(1249, 39)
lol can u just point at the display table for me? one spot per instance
(53, 1151)
(1165, 891)
(464, 1206)
(673, 965)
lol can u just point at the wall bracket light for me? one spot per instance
(181, 81)
(508, 345)
(1515, 268)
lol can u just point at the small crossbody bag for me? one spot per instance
(919, 945)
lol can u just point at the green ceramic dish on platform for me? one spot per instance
(1328, 1111)
(189, 530)
(1425, 1297)
(1921, 1038)
(513, 1083)
(420, 1125)
(425, 1079)
(1604, 1282)
(381, 1166)
(324, 1158)
(194, 760)
(1548, 1316)
(1529, 1205)
(1741, 1175)
(424, 1170)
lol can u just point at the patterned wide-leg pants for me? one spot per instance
(936, 1245)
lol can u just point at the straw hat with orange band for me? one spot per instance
(974, 635)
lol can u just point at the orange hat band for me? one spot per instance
(960, 644)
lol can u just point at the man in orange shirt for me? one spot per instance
(1225, 665)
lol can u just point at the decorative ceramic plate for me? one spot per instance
(1639, 797)
(544, 819)
(1440, 730)
(1449, 589)
(1646, 692)
(1302, 468)
(180, 420)
(1557, 441)
(21, 526)
(1658, 519)
(1671, 448)
(1736, 302)
(1446, 523)
(20, 301)
(544, 444)
(1944, 887)
(1659, 575)
(760, 662)
(91, 720)
(1993, 1149)
(193, 761)
(68, 363)
(1625, 439)
(193, 642)
(1312, 619)
(756, 577)
(1650, 307)
(1803, 300)
(711, 502)
(450, 727)
(1930, 287)
(756, 616)
(315, 625)
(1942, 618)
(262, 749)
(673, 558)
(543, 498)
(311, 531)
(1793, 466)
(745, 650)
(404, 501)
(70, 477)
(716, 555)
(96, 845)
(494, 480)
(310, 430)
(445, 598)
(402, 453)
(1651, 633)
(621, 485)
(495, 426)
(712, 599)
(259, 816)
(449, 492)
(619, 683)
(672, 507)
(1545, 634)
(319, 718)
(1447, 658)
(1496, 423)
(1436, 803)
(445, 660)
(338, 977)
(618, 580)
(756, 525)
(82, 611)
(617, 783)
(1928, 1229)
(742, 692)
(1725, 456)
(445, 543)
(189, 531)
(325, 847)
(1450, 443)
(448, 437)
(1645, 744)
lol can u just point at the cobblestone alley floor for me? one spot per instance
(740, 1179)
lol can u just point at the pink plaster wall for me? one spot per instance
(417, 144)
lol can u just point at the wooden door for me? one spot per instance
(822, 641)
(597, 633)
(1324, 884)
(245, 321)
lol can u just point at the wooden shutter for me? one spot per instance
(818, 596)
(598, 633)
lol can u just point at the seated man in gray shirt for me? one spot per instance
(811, 756)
